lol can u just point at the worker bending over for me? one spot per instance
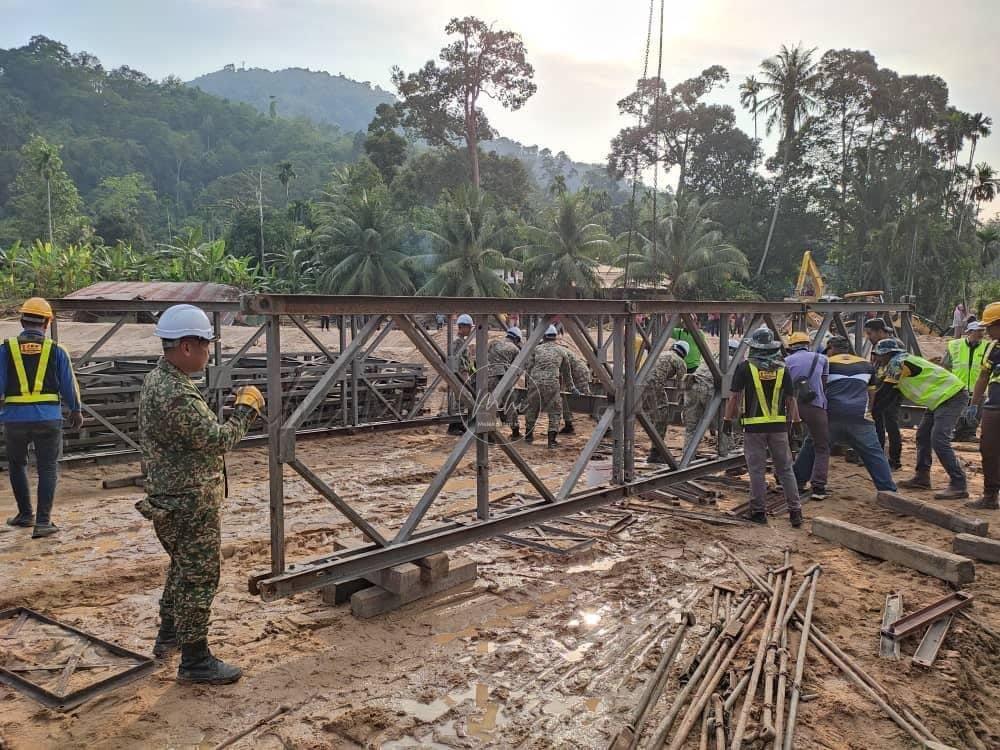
(885, 408)
(808, 371)
(183, 445)
(581, 381)
(36, 380)
(668, 370)
(988, 388)
(699, 390)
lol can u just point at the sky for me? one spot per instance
(587, 54)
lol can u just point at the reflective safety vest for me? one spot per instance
(770, 415)
(966, 362)
(932, 387)
(19, 392)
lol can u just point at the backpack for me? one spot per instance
(801, 387)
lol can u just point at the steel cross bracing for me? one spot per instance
(617, 409)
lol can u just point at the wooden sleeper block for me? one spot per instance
(376, 600)
(978, 547)
(341, 593)
(933, 513)
(938, 563)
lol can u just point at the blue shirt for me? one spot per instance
(798, 364)
(847, 387)
(68, 389)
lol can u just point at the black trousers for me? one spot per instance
(47, 439)
(887, 426)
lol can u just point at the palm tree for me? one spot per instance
(749, 92)
(286, 173)
(790, 80)
(465, 262)
(363, 236)
(689, 253)
(990, 237)
(45, 166)
(979, 127)
(561, 258)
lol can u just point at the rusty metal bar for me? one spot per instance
(916, 621)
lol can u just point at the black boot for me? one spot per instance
(25, 521)
(515, 432)
(568, 429)
(166, 638)
(529, 434)
(198, 665)
(552, 440)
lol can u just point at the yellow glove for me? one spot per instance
(250, 395)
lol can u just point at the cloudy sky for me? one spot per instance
(587, 53)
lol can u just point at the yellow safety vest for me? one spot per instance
(770, 415)
(34, 395)
(932, 387)
(967, 363)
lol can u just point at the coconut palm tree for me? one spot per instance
(286, 173)
(561, 257)
(979, 127)
(362, 236)
(790, 80)
(45, 166)
(689, 253)
(990, 239)
(465, 261)
(750, 91)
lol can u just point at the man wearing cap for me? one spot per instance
(548, 372)
(808, 371)
(769, 404)
(36, 380)
(965, 358)
(668, 370)
(849, 389)
(943, 397)
(460, 360)
(986, 396)
(887, 400)
(500, 355)
(183, 445)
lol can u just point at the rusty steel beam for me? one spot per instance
(916, 621)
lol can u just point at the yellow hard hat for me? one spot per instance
(37, 307)
(798, 338)
(991, 314)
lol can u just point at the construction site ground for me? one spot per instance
(530, 655)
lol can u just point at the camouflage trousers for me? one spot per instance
(506, 408)
(696, 401)
(189, 529)
(543, 396)
(656, 404)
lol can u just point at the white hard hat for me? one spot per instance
(514, 332)
(551, 332)
(974, 325)
(681, 347)
(181, 321)
(465, 320)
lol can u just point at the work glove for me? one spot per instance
(76, 419)
(250, 395)
(727, 427)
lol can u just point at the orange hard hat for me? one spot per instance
(36, 307)
(991, 314)
(798, 338)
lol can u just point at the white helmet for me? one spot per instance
(682, 348)
(551, 332)
(514, 332)
(182, 321)
(465, 320)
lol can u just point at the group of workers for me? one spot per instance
(779, 386)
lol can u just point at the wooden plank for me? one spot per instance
(888, 648)
(977, 547)
(377, 601)
(938, 563)
(933, 513)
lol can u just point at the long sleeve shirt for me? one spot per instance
(69, 391)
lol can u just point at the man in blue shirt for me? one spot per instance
(810, 369)
(36, 381)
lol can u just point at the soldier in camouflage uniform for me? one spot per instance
(183, 445)
(548, 371)
(581, 381)
(500, 355)
(655, 401)
(460, 360)
(699, 388)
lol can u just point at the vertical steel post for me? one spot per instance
(721, 386)
(343, 381)
(452, 363)
(630, 398)
(600, 338)
(618, 377)
(859, 334)
(482, 394)
(275, 468)
(355, 365)
(217, 360)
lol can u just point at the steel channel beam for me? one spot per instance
(275, 469)
(482, 394)
(309, 576)
(915, 621)
(69, 304)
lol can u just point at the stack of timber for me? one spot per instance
(110, 386)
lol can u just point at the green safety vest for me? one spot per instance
(36, 394)
(932, 387)
(966, 362)
(770, 415)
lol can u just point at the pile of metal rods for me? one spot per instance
(755, 702)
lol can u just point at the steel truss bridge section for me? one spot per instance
(619, 413)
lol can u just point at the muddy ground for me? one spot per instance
(538, 653)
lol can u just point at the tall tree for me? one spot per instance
(45, 199)
(979, 127)
(442, 102)
(790, 80)
(286, 173)
(561, 256)
(750, 91)
(465, 259)
(385, 147)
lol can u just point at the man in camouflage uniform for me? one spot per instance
(581, 381)
(655, 401)
(699, 389)
(183, 445)
(548, 371)
(500, 355)
(460, 360)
